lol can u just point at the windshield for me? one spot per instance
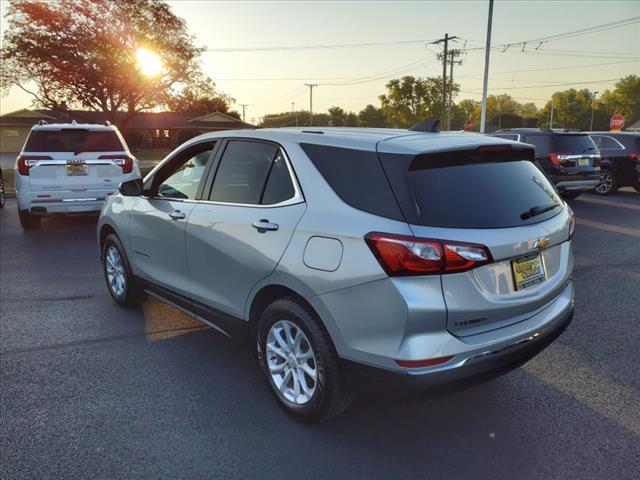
(73, 140)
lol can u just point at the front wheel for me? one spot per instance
(608, 183)
(300, 363)
(117, 273)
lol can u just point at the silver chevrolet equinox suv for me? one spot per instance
(410, 256)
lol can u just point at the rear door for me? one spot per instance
(75, 159)
(237, 236)
(481, 199)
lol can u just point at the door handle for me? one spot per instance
(264, 225)
(178, 215)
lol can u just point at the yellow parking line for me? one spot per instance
(611, 203)
(634, 232)
(563, 368)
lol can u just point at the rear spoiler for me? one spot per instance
(487, 153)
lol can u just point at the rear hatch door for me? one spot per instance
(574, 153)
(493, 196)
(74, 159)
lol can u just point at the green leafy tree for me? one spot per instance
(201, 98)
(337, 116)
(410, 100)
(571, 109)
(623, 99)
(371, 117)
(82, 53)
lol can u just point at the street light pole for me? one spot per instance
(244, 106)
(311, 85)
(593, 106)
(483, 115)
(293, 109)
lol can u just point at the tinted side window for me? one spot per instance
(279, 186)
(183, 180)
(507, 136)
(541, 142)
(242, 172)
(606, 143)
(357, 178)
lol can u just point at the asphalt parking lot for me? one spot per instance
(89, 390)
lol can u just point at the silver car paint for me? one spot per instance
(372, 318)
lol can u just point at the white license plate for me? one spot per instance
(75, 170)
(584, 162)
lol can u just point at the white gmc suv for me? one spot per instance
(70, 168)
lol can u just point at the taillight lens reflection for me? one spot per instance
(401, 255)
(25, 162)
(125, 161)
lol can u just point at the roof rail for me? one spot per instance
(107, 123)
(428, 125)
(42, 122)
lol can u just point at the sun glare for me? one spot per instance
(149, 63)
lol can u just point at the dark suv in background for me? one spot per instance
(620, 164)
(570, 159)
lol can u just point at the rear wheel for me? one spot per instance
(300, 363)
(28, 221)
(117, 273)
(570, 195)
(608, 183)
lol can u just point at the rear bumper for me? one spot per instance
(477, 367)
(578, 182)
(63, 202)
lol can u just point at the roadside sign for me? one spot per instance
(467, 125)
(617, 122)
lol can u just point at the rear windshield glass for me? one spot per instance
(482, 195)
(573, 144)
(73, 140)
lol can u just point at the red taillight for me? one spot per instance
(405, 255)
(572, 225)
(429, 362)
(25, 162)
(634, 157)
(555, 159)
(125, 161)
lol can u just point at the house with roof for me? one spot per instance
(149, 129)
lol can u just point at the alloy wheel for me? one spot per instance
(116, 275)
(606, 182)
(291, 362)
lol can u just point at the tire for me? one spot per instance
(319, 399)
(608, 183)
(570, 195)
(117, 274)
(637, 187)
(28, 221)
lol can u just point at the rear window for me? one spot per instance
(73, 140)
(573, 144)
(476, 194)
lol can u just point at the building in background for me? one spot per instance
(146, 130)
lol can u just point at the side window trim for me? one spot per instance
(298, 196)
(619, 145)
(216, 143)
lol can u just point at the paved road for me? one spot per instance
(89, 390)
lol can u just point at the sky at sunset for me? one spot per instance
(241, 38)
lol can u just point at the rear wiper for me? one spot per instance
(538, 210)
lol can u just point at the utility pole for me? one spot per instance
(445, 41)
(485, 83)
(244, 106)
(293, 109)
(311, 85)
(593, 106)
(551, 119)
(452, 59)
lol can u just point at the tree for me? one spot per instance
(201, 98)
(371, 117)
(624, 99)
(83, 53)
(338, 116)
(571, 109)
(410, 100)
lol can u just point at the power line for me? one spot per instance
(316, 47)
(555, 84)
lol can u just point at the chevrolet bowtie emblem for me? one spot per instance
(541, 243)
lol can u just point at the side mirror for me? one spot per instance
(132, 188)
